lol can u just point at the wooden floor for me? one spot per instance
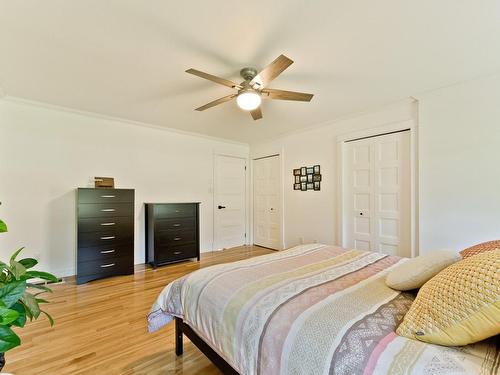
(101, 326)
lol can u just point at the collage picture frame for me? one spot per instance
(307, 178)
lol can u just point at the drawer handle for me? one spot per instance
(107, 265)
(176, 225)
(107, 251)
(107, 224)
(177, 252)
(108, 196)
(108, 210)
(107, 237)
(177, 238)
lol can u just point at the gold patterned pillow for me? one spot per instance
(480, 248)
(458, 306)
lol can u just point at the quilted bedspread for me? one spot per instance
(313, 309)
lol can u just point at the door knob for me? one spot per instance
(221, 207)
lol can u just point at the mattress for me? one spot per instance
(312, 309)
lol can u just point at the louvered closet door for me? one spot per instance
(377, 194)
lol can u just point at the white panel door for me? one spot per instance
(267, 202)
(229, 202)
(377, 214)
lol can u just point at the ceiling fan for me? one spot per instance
(254, 87)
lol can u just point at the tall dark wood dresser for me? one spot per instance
(105, 233)
(172, 232)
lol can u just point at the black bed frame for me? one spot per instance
(182, 328)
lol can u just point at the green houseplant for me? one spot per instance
(19, 298)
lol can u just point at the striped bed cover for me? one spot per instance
(312, 309)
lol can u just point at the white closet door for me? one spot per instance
(377, 194)
(267, 202)
(230, 202)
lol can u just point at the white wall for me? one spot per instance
(312, 215)
(46, 153)
(460, 165)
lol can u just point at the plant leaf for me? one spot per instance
(31, 304)
(8, 339)
(41, 275)
(13, 257)
(4, 274)
(51, 320)
(12, 292)
(28, 262)
(40, 300)
(7, 316)
(3, 227)
(17, 269)
(21, 319)
(27, 311)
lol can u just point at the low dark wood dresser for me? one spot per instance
(172, 232)
(105, 233)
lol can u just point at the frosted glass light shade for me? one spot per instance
(248, 100)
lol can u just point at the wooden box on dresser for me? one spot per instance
(172, 232)
(105, 233)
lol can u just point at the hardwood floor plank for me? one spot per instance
(101, 326)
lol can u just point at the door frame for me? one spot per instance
(214, 194)
(280, 198)
(410, 125)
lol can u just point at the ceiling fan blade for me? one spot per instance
(216, 102)
(286, 95)
(213, 78)
(256, 113)
(271, 71)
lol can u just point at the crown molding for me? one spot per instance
(353, 115)
(53, 107)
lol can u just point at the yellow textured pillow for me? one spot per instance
(415, 272)
(458, 306)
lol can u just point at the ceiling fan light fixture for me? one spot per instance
(248, 100)
(249, 92)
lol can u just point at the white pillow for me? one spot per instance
(415, 272)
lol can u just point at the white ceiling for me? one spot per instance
(127, 58)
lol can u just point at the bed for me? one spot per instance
(312, 309)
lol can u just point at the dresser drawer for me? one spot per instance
(175, 237)
(111, 237)
(106, 267)
(105, 196)
(122, 224)
(182, 223)
(167, 253)
(107, 210)
(175, 210)
(107, 252)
